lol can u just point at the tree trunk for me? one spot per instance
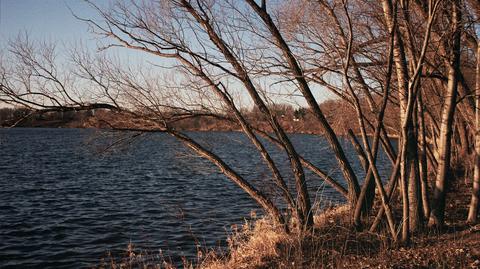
(367, 193)
(473, 209)
(392, 183)
(422, 166)
(444, 151)
(296, 69)
(366, 197)
(370, 151)
(463, 151)
(303, 198)
(402, 80)
(256, 194)
(414, 193)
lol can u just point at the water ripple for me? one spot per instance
(64, 205)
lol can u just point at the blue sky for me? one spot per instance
(43, 19)
(52, 20)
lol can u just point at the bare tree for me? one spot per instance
(395, 66)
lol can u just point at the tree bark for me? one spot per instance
(257, 195)
(347, 170)
(444, 151)
(367, 193)
(366, 197)
(474, 202)
(303, 198)
(422, 166)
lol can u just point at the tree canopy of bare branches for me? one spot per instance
(216, 57)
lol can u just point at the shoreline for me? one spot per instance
(259, 244)
(187, 130)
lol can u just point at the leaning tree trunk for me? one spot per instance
(297, 71)
(473, 210)
(367, 194)
(267, 205)
(303, 198)
(444, 150)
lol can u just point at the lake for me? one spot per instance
(66, 202)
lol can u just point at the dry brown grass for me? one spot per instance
(254, 245)
(261, 245)
(333, 244)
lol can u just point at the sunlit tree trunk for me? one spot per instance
(402, 80)
(444, 148)
(303, 198)
(474, 202)
(408, 87)
(297, 71)
(422, 166)
(414, 190)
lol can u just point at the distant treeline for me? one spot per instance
(340, 115)
(25, 117)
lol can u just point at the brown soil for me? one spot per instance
(450, 250)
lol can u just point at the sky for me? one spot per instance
(43, 19)
(52, 21)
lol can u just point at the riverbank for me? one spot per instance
(335, 244)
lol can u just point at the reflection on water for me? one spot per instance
(64, 204)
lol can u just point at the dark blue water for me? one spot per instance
(65, 202)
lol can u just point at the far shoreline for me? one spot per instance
(391, 136)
